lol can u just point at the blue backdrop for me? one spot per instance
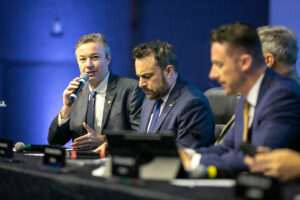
(37, 59)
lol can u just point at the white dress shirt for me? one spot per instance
(252, 99)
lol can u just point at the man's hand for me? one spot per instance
(283, 164)
(89, 141)
(66, 110)
(102, 148)
(185, 159)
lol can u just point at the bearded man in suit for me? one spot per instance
(172, 103)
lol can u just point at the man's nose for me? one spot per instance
(89, 62)
(142, 83)
(213, 73)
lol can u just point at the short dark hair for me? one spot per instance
(163, 53)
(241, 36)
(94, 37)
(279, 41)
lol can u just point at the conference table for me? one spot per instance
(26, 178)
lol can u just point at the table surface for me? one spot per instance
(23, 178)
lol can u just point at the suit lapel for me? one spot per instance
(83, 104)
(80, 110)
(170, 104)
(264, 87)
(239, 119)
(109, 98)
(147, 109)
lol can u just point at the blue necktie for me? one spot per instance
(91, 109)
(155, 115)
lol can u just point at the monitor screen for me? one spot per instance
(158, 144)
(145, 156)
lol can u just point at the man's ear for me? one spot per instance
(245, 61)
(169, 71)
(108, 58)
(269, 60)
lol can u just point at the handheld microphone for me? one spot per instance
(83, 78)
(20, 147)
(248, 149)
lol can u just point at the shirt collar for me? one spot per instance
(101, 88)
(253, 93)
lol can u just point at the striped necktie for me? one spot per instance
(91, 109)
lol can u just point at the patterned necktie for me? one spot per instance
(246, 119)
(91, 109)
(155, 115)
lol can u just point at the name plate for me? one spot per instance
(254, 186)
(6, 149)
(54, 156)
(125, 166)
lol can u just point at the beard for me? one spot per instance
(158, 93)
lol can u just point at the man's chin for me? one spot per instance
(228, 92)
(93, 81)
(150, 96)
(91, 78)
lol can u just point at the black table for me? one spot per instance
(23, 179)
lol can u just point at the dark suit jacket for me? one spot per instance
(186, 112)
(276, 123)
(122, 109)
(293, 75)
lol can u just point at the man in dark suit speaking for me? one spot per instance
(267, 114)
(172, 103)
(107, 101)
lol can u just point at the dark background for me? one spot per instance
(37, 62)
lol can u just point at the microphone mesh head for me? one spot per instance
(19, 147)
(84, 76)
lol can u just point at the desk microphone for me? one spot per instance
(210, 172)
(20, 147)
(83, 78)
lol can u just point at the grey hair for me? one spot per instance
(279, 41)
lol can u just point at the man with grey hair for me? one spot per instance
(280, 50)
(106, 102)
(279, 45)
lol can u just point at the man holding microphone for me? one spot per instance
(106, 102)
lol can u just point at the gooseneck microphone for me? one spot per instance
(83, 78)
(210, 172)
(20, 147)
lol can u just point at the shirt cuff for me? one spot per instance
(61, 121)
(195, 158)
(195, 161)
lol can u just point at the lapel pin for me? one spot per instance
(109, 101)
(170, 105)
